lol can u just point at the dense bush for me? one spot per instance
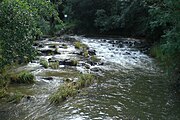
(21, 22)
(166, 15)
(17, 32)
(125, 17)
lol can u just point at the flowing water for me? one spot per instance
(131, 87)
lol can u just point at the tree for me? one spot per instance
(17, 31)
(20, 23)
(166, 14)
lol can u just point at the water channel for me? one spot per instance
(131, 86)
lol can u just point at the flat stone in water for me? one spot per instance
(48, 78)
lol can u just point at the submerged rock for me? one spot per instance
(40, 45)
(52, 59)
(87, 66)
(96, 69)
(52, 46)
(92, 63)
(47, 51)
(68, 80)
(68, 62)
(28, 98)
(91, 52)
(48, 78)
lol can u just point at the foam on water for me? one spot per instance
(124, 56)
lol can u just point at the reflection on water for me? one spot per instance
(132, 88)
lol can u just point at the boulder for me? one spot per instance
(96, 69)
(29, 98)
(52, 60)
(62, 62)
(68, 62)
(91, 52)
(40, 45)
(68, 80)
(35, 44)
(92, 63)
(52, 46)
(101, 63)
(87, 66)
(47, 52)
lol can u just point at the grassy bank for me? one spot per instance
(7, 79)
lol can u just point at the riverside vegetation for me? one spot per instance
(70, 89)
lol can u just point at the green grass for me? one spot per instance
(65, 91)
(95, 59)
(15, 97)
(74, 62)
(3, 93)
(44, 63)
(79, 45)
(84, 81)
(86, 54)
(155, 51)
(23, 77)
(65, 74)
(70, 89)
(54, 65)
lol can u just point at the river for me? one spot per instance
(130, 86)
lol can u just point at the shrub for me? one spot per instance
(44, 63)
